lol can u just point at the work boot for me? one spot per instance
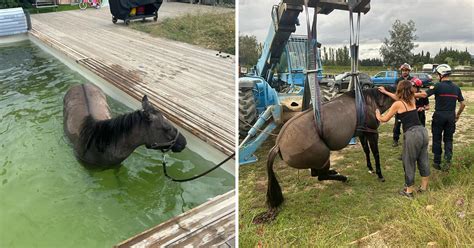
(446, 166)
(395, 143)
(437, 166)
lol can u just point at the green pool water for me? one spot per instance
(48, 199)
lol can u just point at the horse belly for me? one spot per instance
(339, 122)
(301, 146)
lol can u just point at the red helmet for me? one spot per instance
(416, 82)
(405, 66)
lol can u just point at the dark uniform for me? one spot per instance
(398, 123)
(422, 102)
(443, 124)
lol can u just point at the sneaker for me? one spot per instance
(406, 194)
(420, 190)
(395, 143)
(437, 166)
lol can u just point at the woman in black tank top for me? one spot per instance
(415, 140)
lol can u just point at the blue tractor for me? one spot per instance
(273, 91)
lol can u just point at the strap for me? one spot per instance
(405, 105)
(312, 69)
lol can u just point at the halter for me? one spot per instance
(169, 144)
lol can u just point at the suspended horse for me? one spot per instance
(102, 141)
(339, 119)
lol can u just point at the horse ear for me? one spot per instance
(146, 104)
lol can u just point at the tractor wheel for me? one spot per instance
(327, 94)
(247, 111)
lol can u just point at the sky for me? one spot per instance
(439, 24)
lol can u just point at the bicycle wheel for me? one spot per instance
(83, 4)
(98, 4)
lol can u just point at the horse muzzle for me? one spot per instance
(180, 144)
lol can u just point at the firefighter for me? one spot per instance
(445, 117)
(405, 75)
(422, 104)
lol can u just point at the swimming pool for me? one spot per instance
(47, 199)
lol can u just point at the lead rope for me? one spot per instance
(194, 177)
(312, 69)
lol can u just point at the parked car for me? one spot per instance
(424, 77)
(341, 82)
(385, 78)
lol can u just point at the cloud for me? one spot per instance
(439, 23)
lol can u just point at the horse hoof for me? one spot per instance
(371, 172)
(381, 179)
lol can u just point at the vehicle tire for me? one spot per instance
(366, 86)
(336, 88)
(127, 21)
(327, 94)
(83, 5)
(247, 111)
(114, 20)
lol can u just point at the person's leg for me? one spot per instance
(396, 131)
(423, 161)
(436, 131)
(449, 130)
(409, 157)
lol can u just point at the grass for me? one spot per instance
(209, 30)
(65, 7)
(334, 214)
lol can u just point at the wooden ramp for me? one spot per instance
(192, 86)
(210, 224)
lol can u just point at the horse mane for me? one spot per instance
(372, 93)
(106, 132)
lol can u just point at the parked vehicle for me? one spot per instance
(385, 78)
(424, 77)
(428, 68)
(341, 82)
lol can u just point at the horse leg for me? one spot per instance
(365, 146)
(327, 174)
(374, 146)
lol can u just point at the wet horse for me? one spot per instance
(103, 141)
(300, 145)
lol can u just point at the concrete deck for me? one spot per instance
(192, 86)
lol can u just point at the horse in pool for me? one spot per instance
(103, 141)
(300, 145)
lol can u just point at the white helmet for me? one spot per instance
(442, 70)
(405, 66)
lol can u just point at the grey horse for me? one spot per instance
(102, 141)
(300, 145)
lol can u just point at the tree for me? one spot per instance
(248, 50)
(397, 49)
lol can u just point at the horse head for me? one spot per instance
(382, 101)
(162, 135)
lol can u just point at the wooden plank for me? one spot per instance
(212, 223)
(191, 85)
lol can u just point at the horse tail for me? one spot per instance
(274, 194)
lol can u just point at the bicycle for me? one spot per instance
(91, 3)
